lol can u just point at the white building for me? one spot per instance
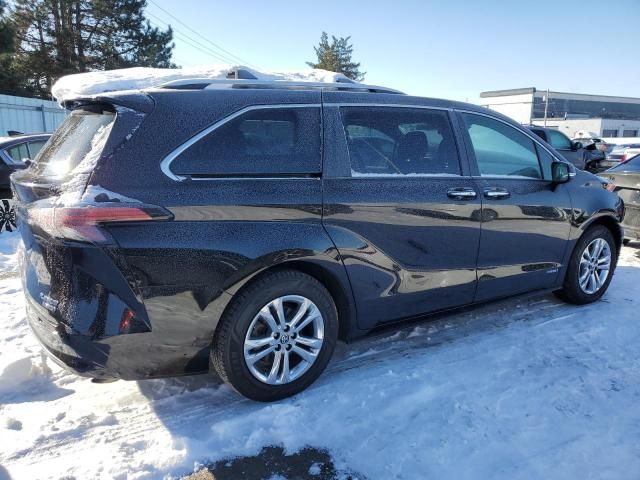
(603, 115)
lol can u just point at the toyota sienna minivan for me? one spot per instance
(244, 226)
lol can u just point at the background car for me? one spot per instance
(13, 150)
(626, 180)
(584, 157)
(616, 154)
(630, 153)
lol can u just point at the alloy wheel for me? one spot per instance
(595, 264)
(284, 339)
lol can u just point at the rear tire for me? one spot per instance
(297, 348)
(589, 272)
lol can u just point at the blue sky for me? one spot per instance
(436, 48)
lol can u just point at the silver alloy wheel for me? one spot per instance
(284, 339)
(595, 264)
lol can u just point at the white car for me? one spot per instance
(629, 153)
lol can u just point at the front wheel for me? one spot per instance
(591, 267)
(276, 337)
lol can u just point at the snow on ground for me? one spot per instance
(520, 389)
(91, 83)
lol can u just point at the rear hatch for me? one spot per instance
(73, 278)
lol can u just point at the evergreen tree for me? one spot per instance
(59, 37)
(336, 56)
(9, 81)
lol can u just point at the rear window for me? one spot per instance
(82, 131)
(262, 141)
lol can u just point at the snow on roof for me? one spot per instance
(92, 83)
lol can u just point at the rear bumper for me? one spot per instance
(76, 317)
(77, 353)
(128, 356)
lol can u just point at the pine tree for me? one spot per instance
(336, 56)
(59, 37)
(9, 81)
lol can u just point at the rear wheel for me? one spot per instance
(276, 337)
(591, 267)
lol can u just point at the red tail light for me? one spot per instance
(82, 223)
(623, 158)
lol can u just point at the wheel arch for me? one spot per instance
(610, 223)
(338, 288)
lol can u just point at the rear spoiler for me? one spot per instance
(135, 100)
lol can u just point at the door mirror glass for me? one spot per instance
(576, 146)
(560, 172)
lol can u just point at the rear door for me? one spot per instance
(525, 218)
(401, 209)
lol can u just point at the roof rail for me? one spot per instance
(208, 83)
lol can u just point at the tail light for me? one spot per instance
(611, 187)
(83, 222)
(623, 158)
(129, 323)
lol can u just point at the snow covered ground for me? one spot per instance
(521, 389)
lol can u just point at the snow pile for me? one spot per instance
(136, 78)
(520, 389)
(24, 374)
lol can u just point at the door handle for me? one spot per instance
(496, 193)
(462, 193)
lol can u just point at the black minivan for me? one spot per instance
(247, 225)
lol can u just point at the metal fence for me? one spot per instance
(29, 115)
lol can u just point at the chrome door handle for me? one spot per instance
(496, 193)
(462, 193)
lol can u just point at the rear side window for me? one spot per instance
(261, 141)
(500, 149)
(19, 152)
(73, 140)
(399, 141)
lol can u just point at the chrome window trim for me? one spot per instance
(529, 134)
(390, 105)
(165, 163)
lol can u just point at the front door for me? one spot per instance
(403, 214)
(525, 218)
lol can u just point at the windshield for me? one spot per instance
(77, 136)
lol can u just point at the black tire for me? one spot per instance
(227, 354)
(571, 291)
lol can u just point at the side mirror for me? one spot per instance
(576, 146)
(560, 172)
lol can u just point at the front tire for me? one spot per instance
(276, 337)
(591, 267)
